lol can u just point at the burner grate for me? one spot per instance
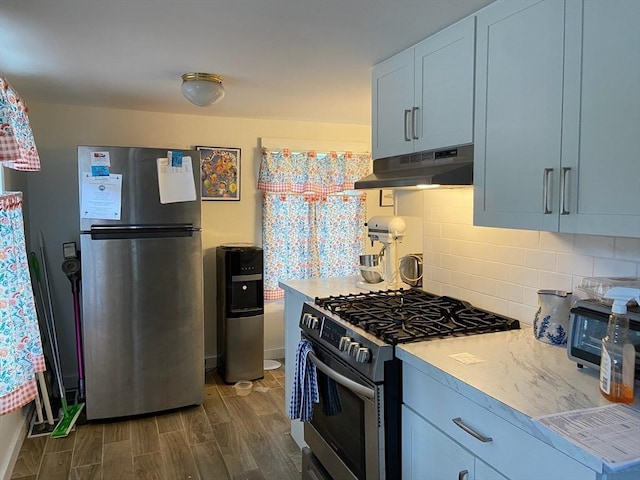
(402, 316)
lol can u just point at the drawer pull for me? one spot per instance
(458, 421)
(463, 474)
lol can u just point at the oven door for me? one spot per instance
(345, 433)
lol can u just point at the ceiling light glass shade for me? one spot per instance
(202, 89)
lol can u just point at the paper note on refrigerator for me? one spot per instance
(101, 196)
(100, 163)
(176, 184)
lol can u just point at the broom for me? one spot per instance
(39, 426)
(70, 413)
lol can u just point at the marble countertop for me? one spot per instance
(323, 287)
(517, 378)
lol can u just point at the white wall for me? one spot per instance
(53, 192)
(13, 429)
(501, 269)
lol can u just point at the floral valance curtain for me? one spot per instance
(20, 345)
(311, 172)
(312, 218)
(17, 145)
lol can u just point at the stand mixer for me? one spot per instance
(389, 231)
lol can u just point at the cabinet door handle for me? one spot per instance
(458, 421)
(563, 191)
(545, 191)
(406, 125)
(414, 117)
(462, 474)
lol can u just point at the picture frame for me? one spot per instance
(220, 173)
(386, 198)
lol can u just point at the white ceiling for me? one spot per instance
(285, 59)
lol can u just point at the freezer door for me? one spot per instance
(142, 311)
(140, 195)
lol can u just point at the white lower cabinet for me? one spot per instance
(445, 434)
(429, 454)
(485, 472)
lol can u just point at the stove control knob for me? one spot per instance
(344, 344)
(353, 349)
(309, 321)
(363, 355)
(304, 321)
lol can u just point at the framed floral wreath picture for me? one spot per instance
(220, 173)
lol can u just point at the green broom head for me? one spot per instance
(70, 415)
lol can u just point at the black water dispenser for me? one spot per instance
(240, 312)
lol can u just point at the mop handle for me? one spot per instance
(54, 351)
(76, 310)
(54, 337)
(33, 258)
(39, 418)
(45, 398)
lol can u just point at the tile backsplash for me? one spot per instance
(501, 269)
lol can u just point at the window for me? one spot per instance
(313, 220)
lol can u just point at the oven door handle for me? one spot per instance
(355, 387)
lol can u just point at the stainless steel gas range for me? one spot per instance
(355, 429)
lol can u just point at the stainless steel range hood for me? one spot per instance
(446, 167)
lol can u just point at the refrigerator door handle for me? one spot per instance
(141, 231)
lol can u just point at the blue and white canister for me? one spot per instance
(551, 323)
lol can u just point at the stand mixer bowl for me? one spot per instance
(370, 268)
(372, 260)
(370, 275)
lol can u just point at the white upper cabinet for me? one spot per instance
(519, 65)
(444, 88)
(557, 142)
(392, 104)
(422, 98)
(601, 127)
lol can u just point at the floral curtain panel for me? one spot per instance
(17, 145)
(20, 345)
(340, 232)
(312, 219)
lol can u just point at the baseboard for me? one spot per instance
(15, 431)
(210, 363)
(274, 354)
(271, 354)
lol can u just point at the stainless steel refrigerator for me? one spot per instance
(142, 297)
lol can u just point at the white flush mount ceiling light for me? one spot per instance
(202, 89)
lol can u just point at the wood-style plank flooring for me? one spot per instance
(227, 437)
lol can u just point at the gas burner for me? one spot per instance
(402, 316)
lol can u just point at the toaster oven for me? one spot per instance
(588, 324)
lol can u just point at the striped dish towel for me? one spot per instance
(305, 384)
(330, 394)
